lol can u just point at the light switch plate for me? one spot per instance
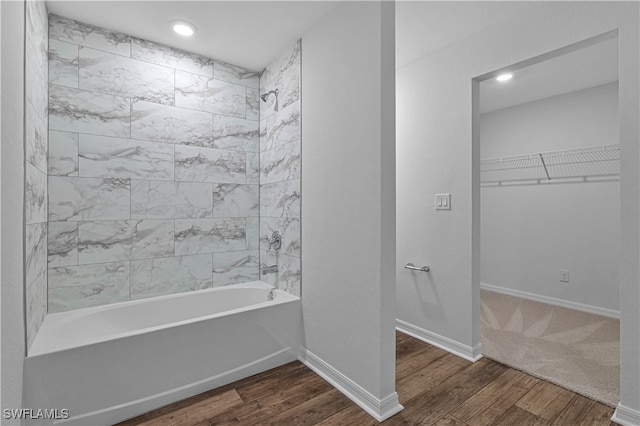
(564, 275)
(443, 201)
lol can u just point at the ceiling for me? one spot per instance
(584, 68)
(252, 33)
(426, 27)
(246, 33)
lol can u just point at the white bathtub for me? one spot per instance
(109, 363)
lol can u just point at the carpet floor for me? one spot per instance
(576, 350)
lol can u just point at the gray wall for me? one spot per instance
(435, 128)
(153, 165)
(12, 196)
(349, 195)
(530, 232)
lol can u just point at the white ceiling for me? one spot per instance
(588, 67)
(246, 33)
(252, 33)
(426, 27)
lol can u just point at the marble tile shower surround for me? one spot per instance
(280, 168)
(154, 170)
(36, 166)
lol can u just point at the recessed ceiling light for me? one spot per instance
(183, 28)
(504, 77)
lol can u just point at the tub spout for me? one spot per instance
(271, 294)
(269, 269)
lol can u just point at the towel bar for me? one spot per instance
(417, 268)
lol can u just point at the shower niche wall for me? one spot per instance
(167, 172)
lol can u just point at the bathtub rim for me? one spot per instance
(61, 318)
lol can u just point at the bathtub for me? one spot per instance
(109, 363)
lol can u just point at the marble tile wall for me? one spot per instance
(280, 169)
(153, 167)
(36, 165)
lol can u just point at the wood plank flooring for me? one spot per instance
(435, 387)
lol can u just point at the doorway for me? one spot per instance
(549, 202)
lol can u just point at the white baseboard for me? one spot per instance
(611, 313)
(380, 409)
(469, 353)
(626, 416)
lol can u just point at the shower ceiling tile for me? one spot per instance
(117, 75)
(102, 156)
(165, 123)
(159, 200)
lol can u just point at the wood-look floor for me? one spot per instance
(435, 387)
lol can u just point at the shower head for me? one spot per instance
(265, 96)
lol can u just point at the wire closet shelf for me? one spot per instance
(581, 164)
